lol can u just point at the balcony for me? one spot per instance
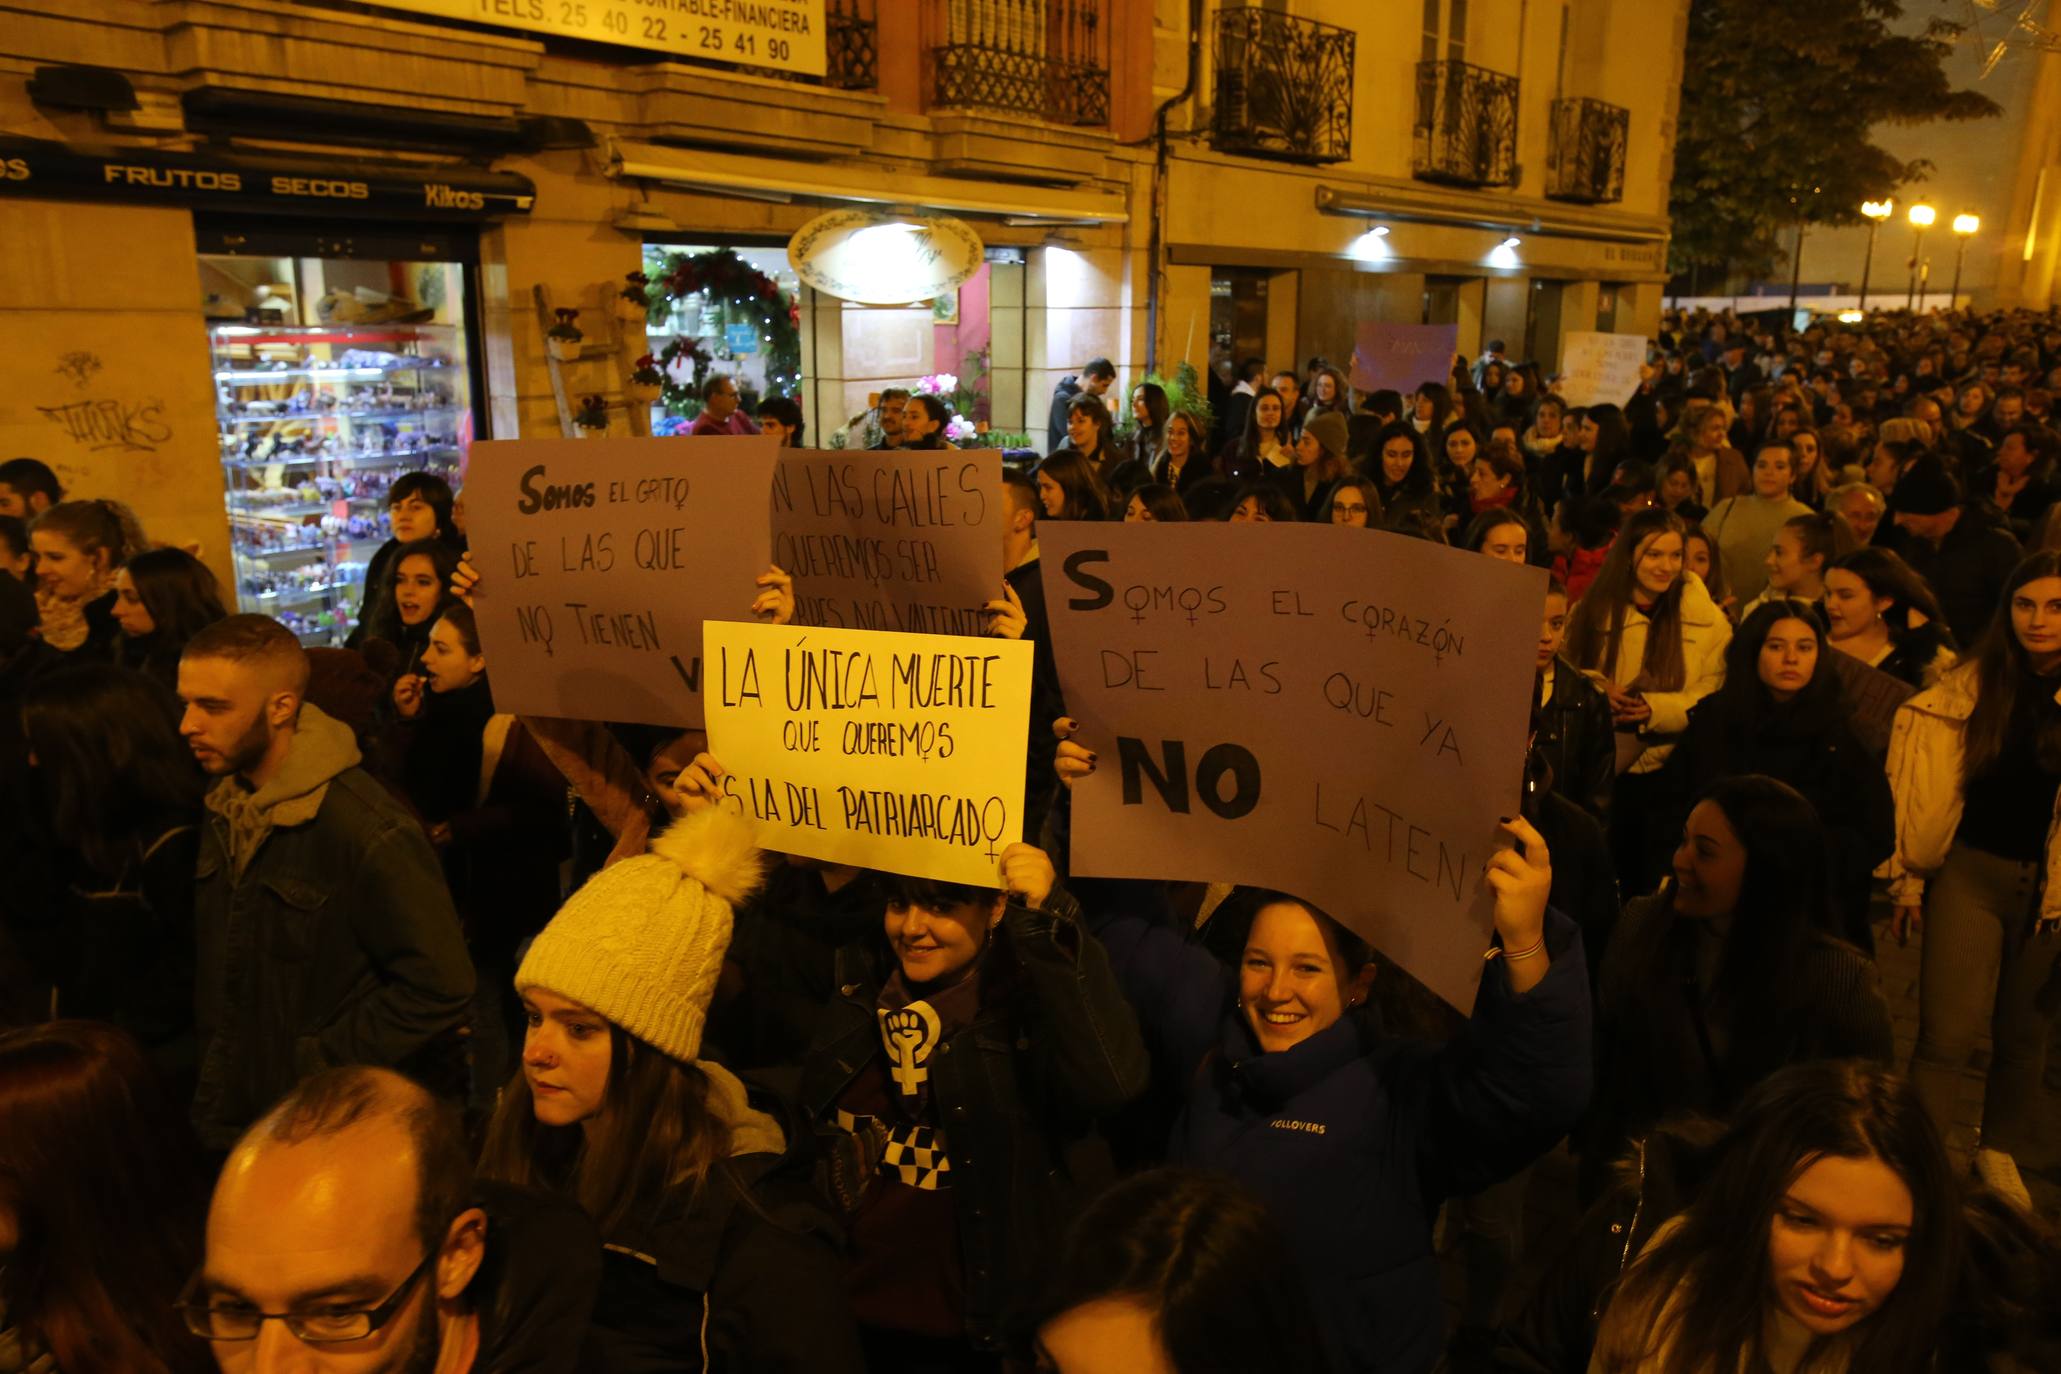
(1466, 132)
(1585, 153)
(852, 36)
(1284, 87)
(1047, 59)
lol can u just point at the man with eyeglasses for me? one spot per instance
(347, 1236)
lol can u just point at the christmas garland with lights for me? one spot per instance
(742, 294)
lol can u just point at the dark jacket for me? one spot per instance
(325, 936)
(1556, 1331)
(1063, 397)
(128, 945)
(1018, 1090)
(534, 1291)
(1354, 1137)
(1289, 480)
(1967, 570)
(785, 943)
(1198, 468)
(1660, 1055)
(742, 1277)
(503, 858)
(1576, 736)
(1048, 702)
(1584, 876)
(1823, 760)
(376, 572)
(1917, 652)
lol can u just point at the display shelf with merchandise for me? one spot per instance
(315, 424)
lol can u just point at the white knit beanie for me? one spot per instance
(642, 942)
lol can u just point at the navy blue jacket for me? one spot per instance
(1354, 1138)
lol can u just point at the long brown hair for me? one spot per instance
(2000, 663)
(1597, 627)
(1695, 1302)
(99, 1168)
(654, 1143)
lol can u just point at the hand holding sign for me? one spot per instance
(1522, 879)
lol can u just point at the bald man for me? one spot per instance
(347, 1236)
(324, 932)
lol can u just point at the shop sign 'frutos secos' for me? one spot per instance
(783, 34)
(876, 258)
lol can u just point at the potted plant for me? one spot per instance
(646, 381)
(591, 419)
(562, 340)
(634, 300)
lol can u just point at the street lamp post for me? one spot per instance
(1964, 229)
(1921, 216)
(1876, 211)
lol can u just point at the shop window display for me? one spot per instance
(332, 379)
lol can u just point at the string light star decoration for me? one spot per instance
(1995, 27)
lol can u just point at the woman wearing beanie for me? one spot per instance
(957, 1075)
(716, 1254)
(1319, 463)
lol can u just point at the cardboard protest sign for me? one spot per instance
(901, 752)
(1600, 369)
(1304, 707)
(600, 558)
(892, 540)
(1872, 698)
(1403, 357)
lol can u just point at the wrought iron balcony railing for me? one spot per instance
(1284, 87)
(853, 36)
(1466, 130)
(1585, 153)
(1048, 59)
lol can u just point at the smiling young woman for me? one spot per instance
(1353, 1137)
(1727, 973)
(1827, 1237)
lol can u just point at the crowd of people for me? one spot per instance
(349, 1023)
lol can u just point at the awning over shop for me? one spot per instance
(761, 178)
(45, 170)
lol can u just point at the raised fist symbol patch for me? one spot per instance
(909, 1033)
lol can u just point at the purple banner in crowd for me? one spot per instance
(1403, 357)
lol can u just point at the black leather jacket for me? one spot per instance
(1576, 736)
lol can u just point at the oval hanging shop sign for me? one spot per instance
(880, 259)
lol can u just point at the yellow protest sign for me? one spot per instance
(902, 752)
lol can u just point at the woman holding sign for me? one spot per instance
(1351, 1137)
(955, 1078)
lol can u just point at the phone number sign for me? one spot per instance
(785, 34)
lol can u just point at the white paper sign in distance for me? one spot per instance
(1598, 368)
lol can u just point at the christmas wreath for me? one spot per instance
(741, 294)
